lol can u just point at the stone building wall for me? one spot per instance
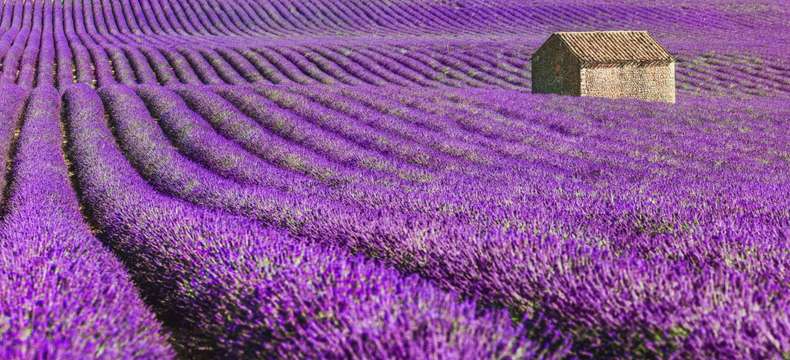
(653, 83)
(555, 70)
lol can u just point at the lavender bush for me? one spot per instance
(62, 293)
(231, 287)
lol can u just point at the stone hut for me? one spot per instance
(612, 64)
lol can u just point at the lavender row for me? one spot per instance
(130, 42)
(63, 294)
(230, 287)
(301, 18)
(321, 222)
(539, 243)
(11, 107)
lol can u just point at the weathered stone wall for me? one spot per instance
(653, 83)
(555, 70)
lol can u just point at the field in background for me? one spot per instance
(723, 49)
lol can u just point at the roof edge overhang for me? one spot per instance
(590, 64)
(671, 58)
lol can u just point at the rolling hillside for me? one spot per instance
(373, 179)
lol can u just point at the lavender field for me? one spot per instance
(332, 179)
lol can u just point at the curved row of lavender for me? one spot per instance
(240, 20)
(62, 294)
(613, 241)
(630, 242)
(404, 43)
(230, 287)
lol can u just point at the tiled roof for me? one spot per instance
(614, 47)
